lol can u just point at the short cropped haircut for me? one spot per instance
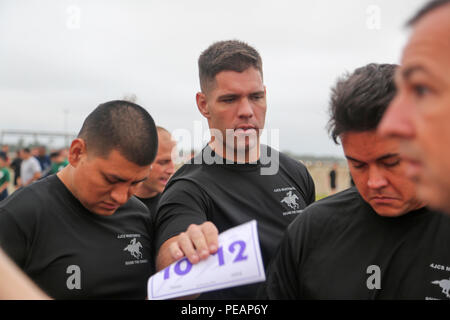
(231, 55)
(427, 8)
(54, 154)
(359, 100)
(123, 126)
(3, 156)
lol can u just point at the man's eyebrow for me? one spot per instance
(353, 159)
(383, 157)
(143, 179)
(387, 156)
(119, 179)
(227, 96)
(406, 74)
(111, 176)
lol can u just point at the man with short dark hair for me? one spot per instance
(375, 241)
(43, 158)
(30, 169)
(420, 113)
(226, 182)
(80, 233)
(15, 165)
(58, 162)
(5, 149)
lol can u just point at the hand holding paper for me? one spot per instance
(237, 262)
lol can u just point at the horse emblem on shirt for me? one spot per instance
(445, 285)
(291, 200)
(134, 248)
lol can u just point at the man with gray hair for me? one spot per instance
(225, 185)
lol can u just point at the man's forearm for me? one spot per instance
(14, 284)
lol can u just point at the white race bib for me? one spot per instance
(237, 262)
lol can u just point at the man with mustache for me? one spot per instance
(225, 184)
(373, 241)
(420, 113)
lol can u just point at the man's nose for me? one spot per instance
(376, 178)
(170, 168)
(120, 194)
(245, 108)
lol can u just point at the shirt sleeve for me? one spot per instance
(182, 203)
(311, 189)
(13, 239)
(18, 219)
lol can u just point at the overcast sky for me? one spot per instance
(72, 55)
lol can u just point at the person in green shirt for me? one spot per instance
(58, 162)
(4, 176)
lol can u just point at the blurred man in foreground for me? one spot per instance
(420, 113)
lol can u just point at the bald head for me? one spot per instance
(162, 168)
(164, 136)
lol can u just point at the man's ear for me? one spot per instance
(202, 104)
(77, 151)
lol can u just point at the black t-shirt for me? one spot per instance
(232, 194)
(340, 248)
(151, 203)
(15, 165)
(72, 253)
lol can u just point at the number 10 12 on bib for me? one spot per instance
(237, 262)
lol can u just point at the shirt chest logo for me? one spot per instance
(289, 199)
(134, 248)
(442, 281)
(445, 285)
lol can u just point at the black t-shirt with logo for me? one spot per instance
(72, 253)
(232, 194)
(340, 248)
